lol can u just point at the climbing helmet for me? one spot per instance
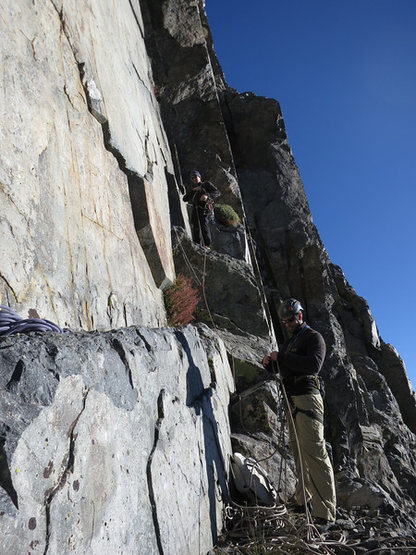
(289, 308)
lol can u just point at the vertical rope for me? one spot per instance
(292, 421)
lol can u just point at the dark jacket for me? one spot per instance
(207, 188)
(300, 359)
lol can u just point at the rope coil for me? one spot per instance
(11, 323)
(255, 529)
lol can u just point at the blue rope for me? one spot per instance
(11, 323)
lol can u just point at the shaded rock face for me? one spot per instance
(370, 404)
(186, 81)
(259, 430)
(93, 428)
(230, 295)
(230, 240)
(364, 417)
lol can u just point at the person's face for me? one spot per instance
(196, 179)
(292, 322)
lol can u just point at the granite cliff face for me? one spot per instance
(113, 442)
(82, 138)
(118, 441)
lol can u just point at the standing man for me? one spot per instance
(201, 196)
(299, 361)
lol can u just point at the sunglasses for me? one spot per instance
(288, 320)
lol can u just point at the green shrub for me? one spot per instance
(226, 215)
(181, 300)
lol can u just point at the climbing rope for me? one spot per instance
(295, 435)
(193, 272)
(265, 522)
(186, 258)
(11, 323)
(273, 527)
(255, 529)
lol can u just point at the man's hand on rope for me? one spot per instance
(267, 361)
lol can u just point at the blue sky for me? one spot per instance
(344, 72)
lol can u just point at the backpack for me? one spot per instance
(252, 480)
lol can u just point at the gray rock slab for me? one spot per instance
(114, 443)
(230, 240)
(231, 296)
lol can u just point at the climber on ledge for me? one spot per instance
(201, 196)
(299, 361)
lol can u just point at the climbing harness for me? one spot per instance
(273, 524)
(210, 208)
(314, 415)
(207, 210)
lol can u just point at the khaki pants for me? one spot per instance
(317, 469)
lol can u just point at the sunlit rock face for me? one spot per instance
(119, 441)
(114, 442)
(85, 226)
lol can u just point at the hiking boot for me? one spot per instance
(293, 506)
(299, 509)
(322, 524)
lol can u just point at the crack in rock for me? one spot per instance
(139, 78)
(5, 477)
(146, 343)
(17, 374)
(49, 494)
(135, 181)
(159, 421)
(137, 20)
(118, 347)
(9, 287)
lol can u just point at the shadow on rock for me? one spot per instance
(199, 398)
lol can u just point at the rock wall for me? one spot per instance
(85, 227)
(370, 404)
(186, 84)
(118, 441)
(113, 442)
(294, 263)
